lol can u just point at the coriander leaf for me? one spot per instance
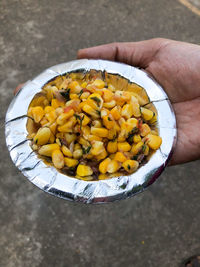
(97, 100)
(86, 150)
(66, 94)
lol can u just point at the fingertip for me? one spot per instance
(81, 53)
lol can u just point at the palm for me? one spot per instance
(172, 69)
(175, 65)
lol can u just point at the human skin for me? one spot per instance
(176, 67)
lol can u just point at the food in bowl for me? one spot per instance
(93, 125)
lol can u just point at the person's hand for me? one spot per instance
(176, 66)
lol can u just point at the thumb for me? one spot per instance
(138, 54)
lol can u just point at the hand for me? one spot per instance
(176, 66)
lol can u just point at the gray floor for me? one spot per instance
(157, 228)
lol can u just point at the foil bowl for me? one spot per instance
(53, 182)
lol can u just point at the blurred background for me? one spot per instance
(159, 227)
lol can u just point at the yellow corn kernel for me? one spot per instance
(55, 103)
(154, 141)
(112, 147)
(83, 170)
(51, 91)
(85, 119)
(95, 100)
(83, 142)
(112, 134)
(51, 116)
(107, 95)
(84, 84)
(103, 176)
(122, 136)
(147, 114)
(92, 137)
(47, 150)
(115, 112)
(136, 110)
(108, 122)
(62, 118)
(44, 121)
(48, 109)
(104, 112)
(58, 141)
(34, 147)
(74, 96)
(37, 113)
(97, 123)
(154, 119)
(119, 156)
(104, 165)
(102, 155)
(66, 151)
(113, 166)
(52, 138)
(118, 98)
(127, 111)
(123, 147)
(77, 146)
(136, 148)
(144, 129)
(97, 148)
(133, 122)
(101, 132)
(78, 153)
(126, 96)
(130, 165)
(110, 104)
(68, 126)
(42, 136)
(59, 110)
(58, 159)
(69, 137)
(91, 111)
(63, 84)
(85, 95)
(74, 87)
(85, 131)
(53, 127)
(146, 150)
(136, 138)
(70, 162)
(99, 83)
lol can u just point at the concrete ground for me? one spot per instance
(160, 227)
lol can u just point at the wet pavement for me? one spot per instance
(159, 227)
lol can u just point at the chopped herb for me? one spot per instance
(135, 157)
(97, 100)
(129, 167)
(77, 116)
(98, 112)
(66, 94)
(81, 92)
(131, 134)
(109, 119)
(86, 150)
(143, 148)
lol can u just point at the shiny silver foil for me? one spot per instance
(49, 179)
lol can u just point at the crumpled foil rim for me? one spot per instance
(48, 178)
